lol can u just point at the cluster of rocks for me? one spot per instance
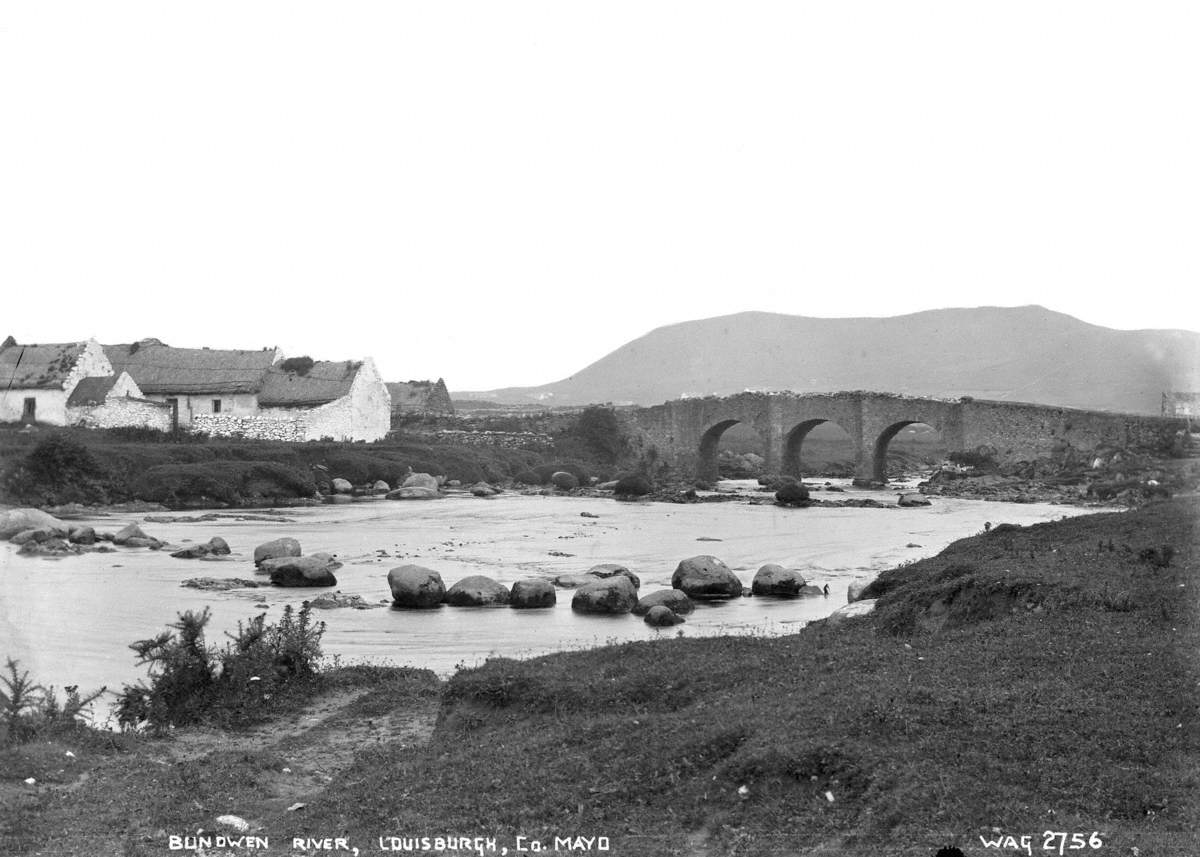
(608, 589)
(41, 534)
(283, 561)
(216, 546)
(417, 486)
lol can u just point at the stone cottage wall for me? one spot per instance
(287, 426)
(365, 413)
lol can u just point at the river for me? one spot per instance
(70, 621)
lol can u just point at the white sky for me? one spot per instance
(502, 192)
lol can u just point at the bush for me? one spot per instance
(28, 710)
(224, 482)
(59, 469)
(633, 485)
(793, 494)
(601, 434)
(192, 682)
(528, 477)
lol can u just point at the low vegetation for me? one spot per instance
(1025, 680)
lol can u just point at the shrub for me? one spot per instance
(980, 459)
(59, 469)
(633, 485)
(528, 477)
(192, 682)
(601, 433)
(225, 482)
(27, 709)
(792, 494)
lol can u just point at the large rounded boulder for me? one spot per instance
(775, 581)
(415, 587)
(659, 616)
(613, 569)
(477, 591)
(854, 592)
(414, 492)
(565, 481)
(612, 595)
(341, 486)
(673, 599)
(532, 594)
(314, 570)
(16, 521)
(706, 577)
(278, 548)
(420, 480)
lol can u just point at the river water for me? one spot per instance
(70, 621)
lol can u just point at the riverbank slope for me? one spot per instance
(1029, 680)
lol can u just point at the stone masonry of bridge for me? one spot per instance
(686, 432)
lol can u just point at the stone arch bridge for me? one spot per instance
(686, 432)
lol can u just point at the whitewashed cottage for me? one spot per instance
(71, 383)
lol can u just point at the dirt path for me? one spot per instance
(312, 747)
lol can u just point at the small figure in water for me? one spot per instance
(826, 590)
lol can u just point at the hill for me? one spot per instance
(1028, 354)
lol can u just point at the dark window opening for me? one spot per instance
(29, 414)
(216, 406)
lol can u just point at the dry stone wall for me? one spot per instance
(291, 429)
(119, 412)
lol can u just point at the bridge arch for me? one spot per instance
(708, 467)
(793, 442)
(884, 440)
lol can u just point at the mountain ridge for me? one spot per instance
(1027, 353)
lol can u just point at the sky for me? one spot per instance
(502, 193)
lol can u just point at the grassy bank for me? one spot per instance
(93, 467)
(1023, 681)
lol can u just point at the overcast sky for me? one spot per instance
(502, 192)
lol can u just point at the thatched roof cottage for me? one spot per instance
(70, 383)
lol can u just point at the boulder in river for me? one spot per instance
(82, 536)
(341, 486)
(415, 587)
(14, 521)
(611, 595)
(612, 569)
(660, 616)
(673, 599)
(778, 582)
(216, 546)
(532, 594)
(420, 480)
(565, 481)
(855, 591)
(913, 499)
(706, 577)
(314, 570)
(413, 492)
(477, 591)
(283, 547)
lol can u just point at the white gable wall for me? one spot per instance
(365, 413)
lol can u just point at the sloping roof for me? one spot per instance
(37, 366)
(326, 381)
(158, 368)
(91, 391)
(431, 396)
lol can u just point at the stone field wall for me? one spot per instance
(292, 429)
(119, 412)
